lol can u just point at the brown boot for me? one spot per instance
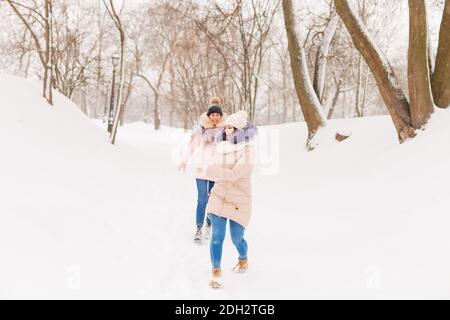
(241, 266)
(215, 282)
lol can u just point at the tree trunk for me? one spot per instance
(310, 105)
(125, 100)
(344, 103)
(185, 121)
(396, 102)
(156, 113)
(366, 83)
(115, 17)
(294, 108)
(269, 90)
(358, 87)
(121, 85)
(105, 110)
(27, 66)
(441, 75)
(322, 56)
(84, 101)
(269, 107)
(421, 102)
(47, 81)
(172, 107)
(98, 68)
(285, 88)
(335, 100)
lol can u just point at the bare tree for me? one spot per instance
(309, 102)
(385, 77)
(72, 53)
(239, 35)
(45, 50)
(322, 55)
(197, 68)
(147, 57)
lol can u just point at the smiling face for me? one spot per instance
(215, 118)
(229, 130)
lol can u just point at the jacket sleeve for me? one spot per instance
(242, 167)
(191, 147)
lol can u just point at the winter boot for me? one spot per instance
(198, 235)
(241, 266)
(208, 231)
(216, 282)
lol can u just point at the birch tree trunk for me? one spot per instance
(322, 56)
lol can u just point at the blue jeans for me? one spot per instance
(219, 225)
(204, 188)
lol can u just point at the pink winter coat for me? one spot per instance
(202, 146)
(231, 196)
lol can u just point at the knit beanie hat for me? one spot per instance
(214, 109)
(237, 120)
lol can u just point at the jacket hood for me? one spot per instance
(206, 123)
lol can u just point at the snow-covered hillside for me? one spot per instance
(365, 218)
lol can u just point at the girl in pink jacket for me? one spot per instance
(201, 150)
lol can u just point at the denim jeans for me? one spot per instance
(219, 225)
(204, 188)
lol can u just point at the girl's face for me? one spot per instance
(215, 118)
(229, 130)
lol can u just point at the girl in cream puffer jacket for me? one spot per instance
(231, 197)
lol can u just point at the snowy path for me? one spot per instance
(173, 200)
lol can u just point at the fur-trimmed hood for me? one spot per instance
(206, 123)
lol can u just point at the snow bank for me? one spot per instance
(70, 203)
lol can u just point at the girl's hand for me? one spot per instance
(182, 167)
(200, 169)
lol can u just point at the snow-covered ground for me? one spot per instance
(366, 218)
